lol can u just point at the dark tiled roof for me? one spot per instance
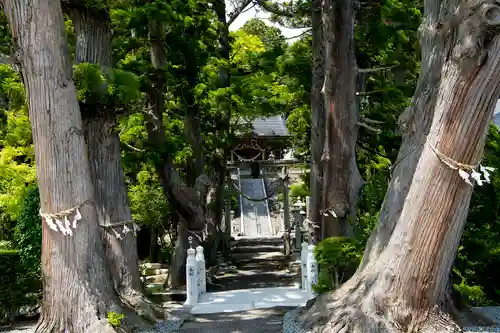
(270, 126)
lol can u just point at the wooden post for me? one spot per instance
(286, 215)
(308, 216)
(298, 230)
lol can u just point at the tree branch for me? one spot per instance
(299, 35)
(237, 11)
(7, 60)
(273, 8)
(373, 70)
(371, 121)
(368, 127)
(134, 148)
(367, 93)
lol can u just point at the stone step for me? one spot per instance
(257, 280)
(277, 241)
(169, 296)
(256, 248)
(154, 287)
(154, 271)
(151, 265)
(258, 257)
(259, 265)
(161, 278)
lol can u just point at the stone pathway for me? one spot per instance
(262, 321)
(251, 299)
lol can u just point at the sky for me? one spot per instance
(255, 13)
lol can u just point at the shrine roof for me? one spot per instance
(273, 126)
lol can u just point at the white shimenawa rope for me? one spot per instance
(467, 172)
(60, 222)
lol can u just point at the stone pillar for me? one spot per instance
(227, 214)
(282, 220)
(303, 265)
(191, 278)
(312, 268)
(200, 261)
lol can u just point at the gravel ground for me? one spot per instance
(25, 327)
(267, 320)
(289, 325)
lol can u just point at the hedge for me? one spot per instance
(11, 291)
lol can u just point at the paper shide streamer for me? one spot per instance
(60, 222)
(125, 230)
(471, 174)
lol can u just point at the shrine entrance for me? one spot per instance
(260, 183)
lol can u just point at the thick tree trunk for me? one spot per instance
(341, 174)
(402, 286)
(184, 199)
(93, 45)
(192, 132)
(78, 290)
(318, 122)
(216, 195)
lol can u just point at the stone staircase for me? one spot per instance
(257, 263)
(153, 275)
(254, 263)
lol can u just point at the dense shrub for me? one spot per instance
(338, 258)
(28, 234)
(11, 293)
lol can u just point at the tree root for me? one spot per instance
(355, 312)
(100, 325)
(143, 307)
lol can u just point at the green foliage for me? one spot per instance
(16, 156)
(147, 201)
(11, 295)
(338, 258)
(6, 245)
(299, 191)
(478, 259)
(28, 234)
(117, 87)
(470, 295)
(115, 319)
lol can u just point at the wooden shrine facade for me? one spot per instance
(267, 139)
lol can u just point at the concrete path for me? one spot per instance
(251, 299)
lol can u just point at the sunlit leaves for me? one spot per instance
(244, 46)
(16, 156)
(117, 87)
